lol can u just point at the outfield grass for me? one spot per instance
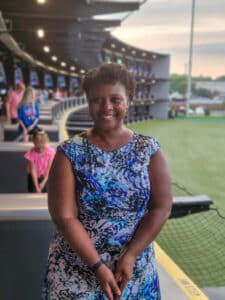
(195, 152)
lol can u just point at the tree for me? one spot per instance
(221, 78)
(178, 83)
(203, 92)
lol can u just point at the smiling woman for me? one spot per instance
(109, 195)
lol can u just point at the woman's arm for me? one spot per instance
(153, 221)
(63, 209)
(37, 117)
(23, 126)
(34, 176)
(32, 125)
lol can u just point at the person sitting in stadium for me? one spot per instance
(28, 114)
(40, 159)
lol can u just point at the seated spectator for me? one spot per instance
(13, 100)
(28, 114)
(40, 159)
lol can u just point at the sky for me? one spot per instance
(164, 26)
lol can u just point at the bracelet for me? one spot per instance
(95, 267)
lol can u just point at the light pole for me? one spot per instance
(188, 96)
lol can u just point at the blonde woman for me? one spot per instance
(28, 114)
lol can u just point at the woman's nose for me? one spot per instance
(107, 104)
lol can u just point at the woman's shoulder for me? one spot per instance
(145, 138)
(71, 143)
(146, 142)
(72, 147)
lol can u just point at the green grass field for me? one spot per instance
(195, 151)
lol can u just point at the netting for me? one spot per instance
(197, 244)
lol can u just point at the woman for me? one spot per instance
(109, 195)
(28, 114)
(13, 101)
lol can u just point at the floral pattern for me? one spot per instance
(113, 192)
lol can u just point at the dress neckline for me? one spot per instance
(89, 143)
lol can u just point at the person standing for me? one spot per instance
(13, 100)
(39, 160)
(109, 196)
(28, 114)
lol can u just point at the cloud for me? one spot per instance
(164, 26)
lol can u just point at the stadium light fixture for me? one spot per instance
(46, 49)
(40, 33)
(54, 58)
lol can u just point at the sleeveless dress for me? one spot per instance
(113, 192)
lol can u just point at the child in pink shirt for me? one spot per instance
(40, 159)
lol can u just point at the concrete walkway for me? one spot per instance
(169, 288)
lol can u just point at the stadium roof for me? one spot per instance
(63, 35)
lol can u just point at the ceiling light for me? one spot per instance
(40, 33)
(133, 52)
(63, 64)
(144, 54)
(154, 56)
(82, 71)
(46, 49)
(72, 68)
(41, 1)
(123, 49)
(54, 58)
(113, 46)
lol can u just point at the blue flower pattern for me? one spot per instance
(113, 192)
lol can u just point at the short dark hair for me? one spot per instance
(110, 73)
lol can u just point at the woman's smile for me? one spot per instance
(108, 105)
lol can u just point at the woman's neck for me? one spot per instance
(109, 140)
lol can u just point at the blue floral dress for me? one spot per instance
(113, 192)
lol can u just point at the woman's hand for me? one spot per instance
(124, 270)
(107, 282)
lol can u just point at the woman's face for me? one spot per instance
(108, 104)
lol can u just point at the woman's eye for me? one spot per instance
(116, 100)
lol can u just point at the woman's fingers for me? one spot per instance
(108, 282)
(111, 289)
(115, 289)
(123, 283)
(117, 276)
(107, 290)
